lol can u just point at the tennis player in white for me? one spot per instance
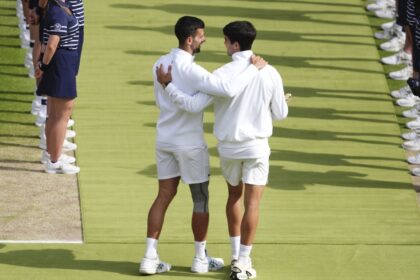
(181, 151)
(242, 126)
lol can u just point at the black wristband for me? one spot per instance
(43, 67)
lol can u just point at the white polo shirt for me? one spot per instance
(179, 129)
(244, 122)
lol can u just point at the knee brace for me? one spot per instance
(200, 197)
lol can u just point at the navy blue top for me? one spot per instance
(76, 6)
(58, 22)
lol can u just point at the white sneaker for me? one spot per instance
(379, 5)
(70, 123)
(239, 271)
(42, 116)
(388, 25)
(31, 72)
(412, 113)
(36, 105)
(403, 92)
(386, 13)
(63, 157)
(153, 266)
(414, 159)
(403, 74)
(28, 59)
(400, 57)
(414, 124)
(409, 101)
(384, 34)
(67, 145)
(395, 44)
(61, 168)
(70, 133)
(411, 135)
(415, 171)
(206, 264)
(412, 145)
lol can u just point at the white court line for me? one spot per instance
(41, 242)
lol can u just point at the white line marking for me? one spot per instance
(41, 242)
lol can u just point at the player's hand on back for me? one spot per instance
(164, 78)
(258, 61)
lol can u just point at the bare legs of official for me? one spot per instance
(59, 112)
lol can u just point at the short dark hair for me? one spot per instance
(187, 26)
(242, 32)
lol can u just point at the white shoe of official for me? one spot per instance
(394, 45)
(408, 101)
(70, 123)
(240, 271)
(414, 159)
(206, 264)
(403, 92)
(42, 116)
(412, 145)
(403, 74)
(400, 57)
(60, 167)
(36, 106)
(412, 113)
(67, 145)
(388, 25)
(387, 12)
(63, 158)
(153, 266)
(28, 59)
(415, 171)
(411, 135)
(70, 133)
(379, 5)
(413, 124)
(384, 35)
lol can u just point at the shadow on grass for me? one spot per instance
(326, 4)
(64, 259)
(141, 83)
(322, 159)
(14, 92)
(295, 180)
(268, 35)
(13, 74)
(7, 168)
(290, 61)
(324, 135)
(249, 13)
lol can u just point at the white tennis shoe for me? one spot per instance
(206, 264)
(153, 266)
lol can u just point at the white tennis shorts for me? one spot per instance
(249, 171)
(192, 165)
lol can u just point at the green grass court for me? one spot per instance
(340, 204)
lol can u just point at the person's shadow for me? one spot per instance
(65, 259)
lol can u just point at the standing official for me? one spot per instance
(57, 70)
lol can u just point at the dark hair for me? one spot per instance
(186, 26)
(242, 32)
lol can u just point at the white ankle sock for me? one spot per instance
(151, 248)
(235, 242)
(200, 249)
(244, 253)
